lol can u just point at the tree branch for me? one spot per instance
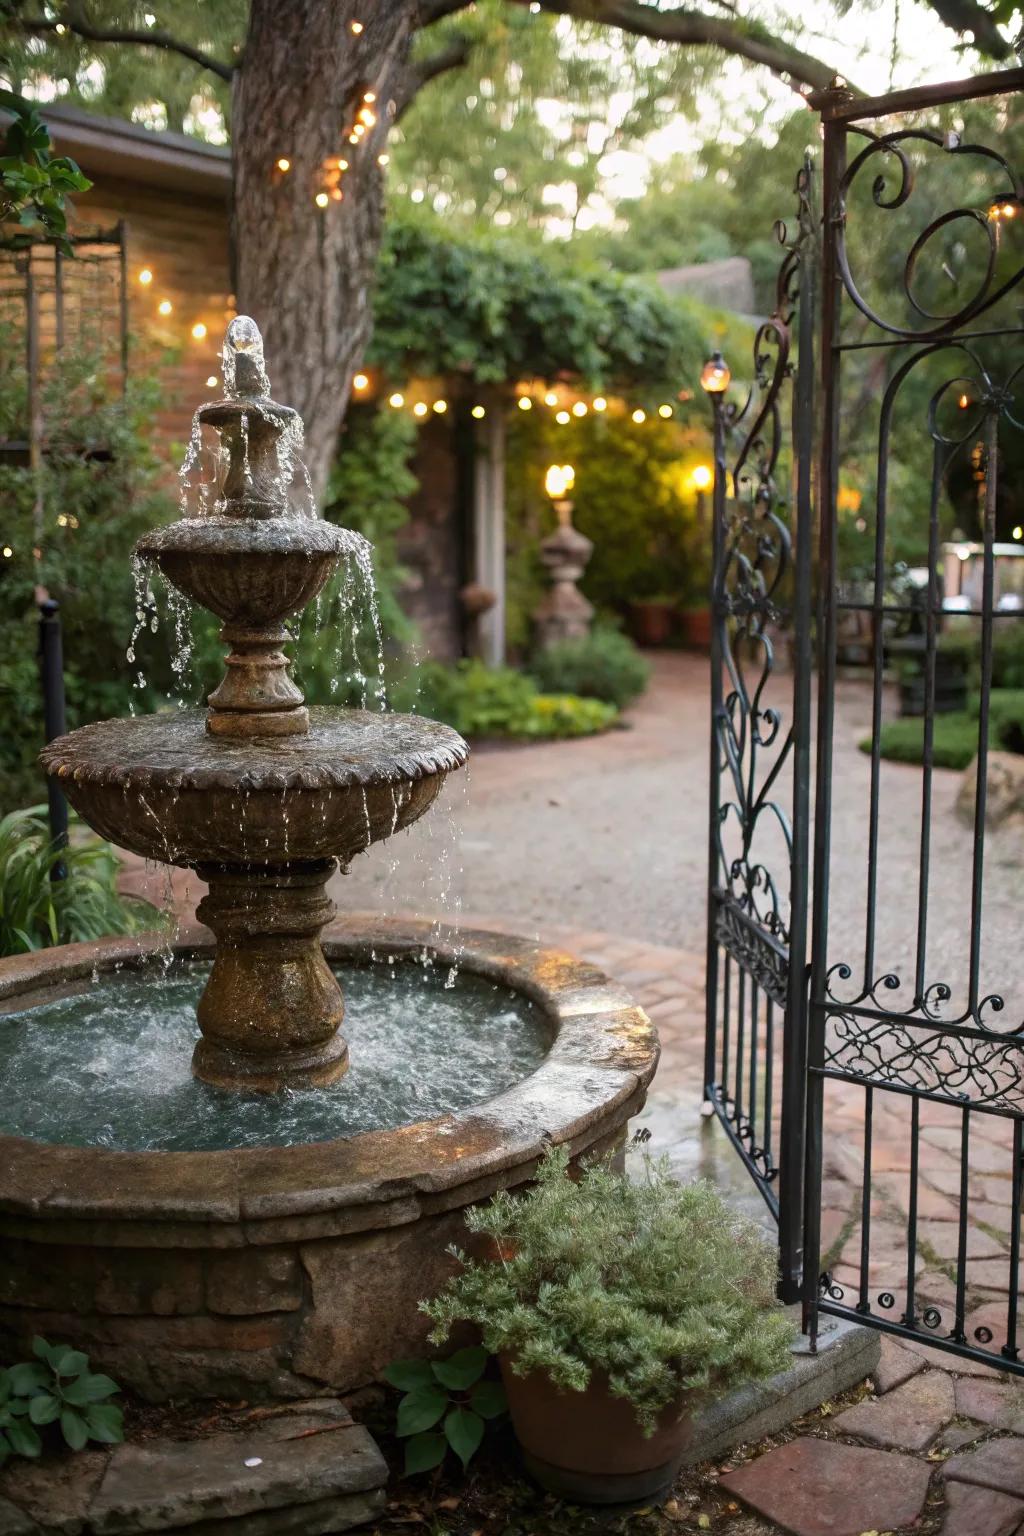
(73, 19)
(965, 16)
(453, 56)
(746, 39)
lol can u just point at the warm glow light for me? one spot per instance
(550, 398)
(367, 117)
(165, 306)
(525, 403)
(361, 381)
(342, 165)
(440, 406)
(284, 164)
(419, 409)
(60, 29)
(358, 129)
(579, 409)
(369, 95)
(321, 199)
(559, 480)
(1018, 532)
(337, 194)
(715, 375)
(199, 330)
(479, 412)
(562, 417)
(639, 416)
(8, 551)
(701, 477)
(963, 402)
(600, 403)
(383, 159)
(212, 381)
(356, 27)
(145, 277)
(665, 410)
(396, 401)
(353, 138)
(1004, 208)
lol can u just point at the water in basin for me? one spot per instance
(110, 1066)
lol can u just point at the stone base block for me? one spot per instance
(309, 1468)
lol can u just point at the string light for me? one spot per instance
(353, 138)
(321, 199)
(525, 403)
(284, 164)
(963, 402)
(337, 194)
(419, 409)
(8, 552)
(701, 477)
(550, 398)
(361, 381)
(165, 307)
(579, 409)
(1018, 533)
(370, 96)
(563, 417)
(145, 277)
(396, 401)
(199, 330)
(665, 411)
(479, 412)
(600, 403)
(383, 159)
(639, 416)
(367, 117)
(440, 406)
(342, 165)
(212, 381)
(356, 27)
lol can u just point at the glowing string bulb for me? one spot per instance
(361, 381)
(525, 403)
(383, 159)
(8, 552)
(665, 411)
(145, 277)
(60, 29)
(639, 416)
(199, 330)
(600, 403)
(212, 381)
(440, 406)
(562, 417)
(353, 138)
(284, 164)
(479, 412)
(356, 27)
(550, 398)
(419, 409)
(321, 199)
(1018, 533)
(342, 165)
(337, 194)
(963, 402)
(579, 409)
(396, 401)
(164, 307)
(370, 96)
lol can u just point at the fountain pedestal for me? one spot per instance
(272, 1009)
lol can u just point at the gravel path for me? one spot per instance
(610, 833)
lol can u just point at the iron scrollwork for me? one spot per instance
(961, 1066)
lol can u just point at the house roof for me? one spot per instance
(111, 147)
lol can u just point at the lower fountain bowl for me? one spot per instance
(276, 1271)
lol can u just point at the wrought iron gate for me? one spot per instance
(894, 1089)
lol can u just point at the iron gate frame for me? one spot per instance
(789, 962)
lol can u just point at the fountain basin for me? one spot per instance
(286, 1270)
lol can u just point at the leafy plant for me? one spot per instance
(602, 665)
(37, 911)
(660, 1286)
(484, 701)
(955, 735)
(452, 1394)
(34, 183)
(56, 1387)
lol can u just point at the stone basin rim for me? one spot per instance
(603, 1055)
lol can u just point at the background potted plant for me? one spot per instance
(615, 1308)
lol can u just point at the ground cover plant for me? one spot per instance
(955, 735)
(56, 1387)
(603, 665)
(445, 1405)
(499, 702)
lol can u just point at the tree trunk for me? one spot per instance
(305, 273)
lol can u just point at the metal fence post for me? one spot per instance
(51, 666)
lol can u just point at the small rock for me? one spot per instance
(823, 1488)
(1005, 795)
(908, 1418)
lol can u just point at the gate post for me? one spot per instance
(715, 381)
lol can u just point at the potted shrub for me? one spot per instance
(652, 620)
(615, 1309)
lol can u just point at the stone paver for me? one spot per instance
(990, 1402)
(997, 1464)
(896, 1365)
(821, 1488)
(974, 1511)
(908, 1418)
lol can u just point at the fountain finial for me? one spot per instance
(245, 374)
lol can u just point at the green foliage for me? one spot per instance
(34, 183)
(501, 308)
(98, 487)
(603, 665)
(56, 1387)
(37, 911)
(1008, 654)
(482, 701)
(661, 1286)
(955, 736)
(452, 1393)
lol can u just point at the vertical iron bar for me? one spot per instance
(792, 1128)
(878, 671)
(981, 795)
(1009, 1349)
(718, 621)
(959, 1334)
(769, 1094)
(51, 666)
(864, 1301)
(122, 233)
(910, 1313)
(58, 296)
(834, 158)
(924, 858)
(741, 1020)
(726, 1028)
(752, 1084)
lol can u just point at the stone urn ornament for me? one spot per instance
(564, 613)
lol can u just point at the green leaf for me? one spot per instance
(44, 1408)
(407, 1375)
(42, 1350)
(24, 1440)
(423, 1453)
(105, 1423)
(89, 1389)
(26, 1378)
(67, 1361)
(74, 1428)
(488, 1399)
(460, 1370)
(464, 1430)
(420, 1410)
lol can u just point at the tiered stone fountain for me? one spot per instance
(286, 1253)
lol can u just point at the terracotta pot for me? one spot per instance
(587, 1446)
(697, 628)
(652, 623)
